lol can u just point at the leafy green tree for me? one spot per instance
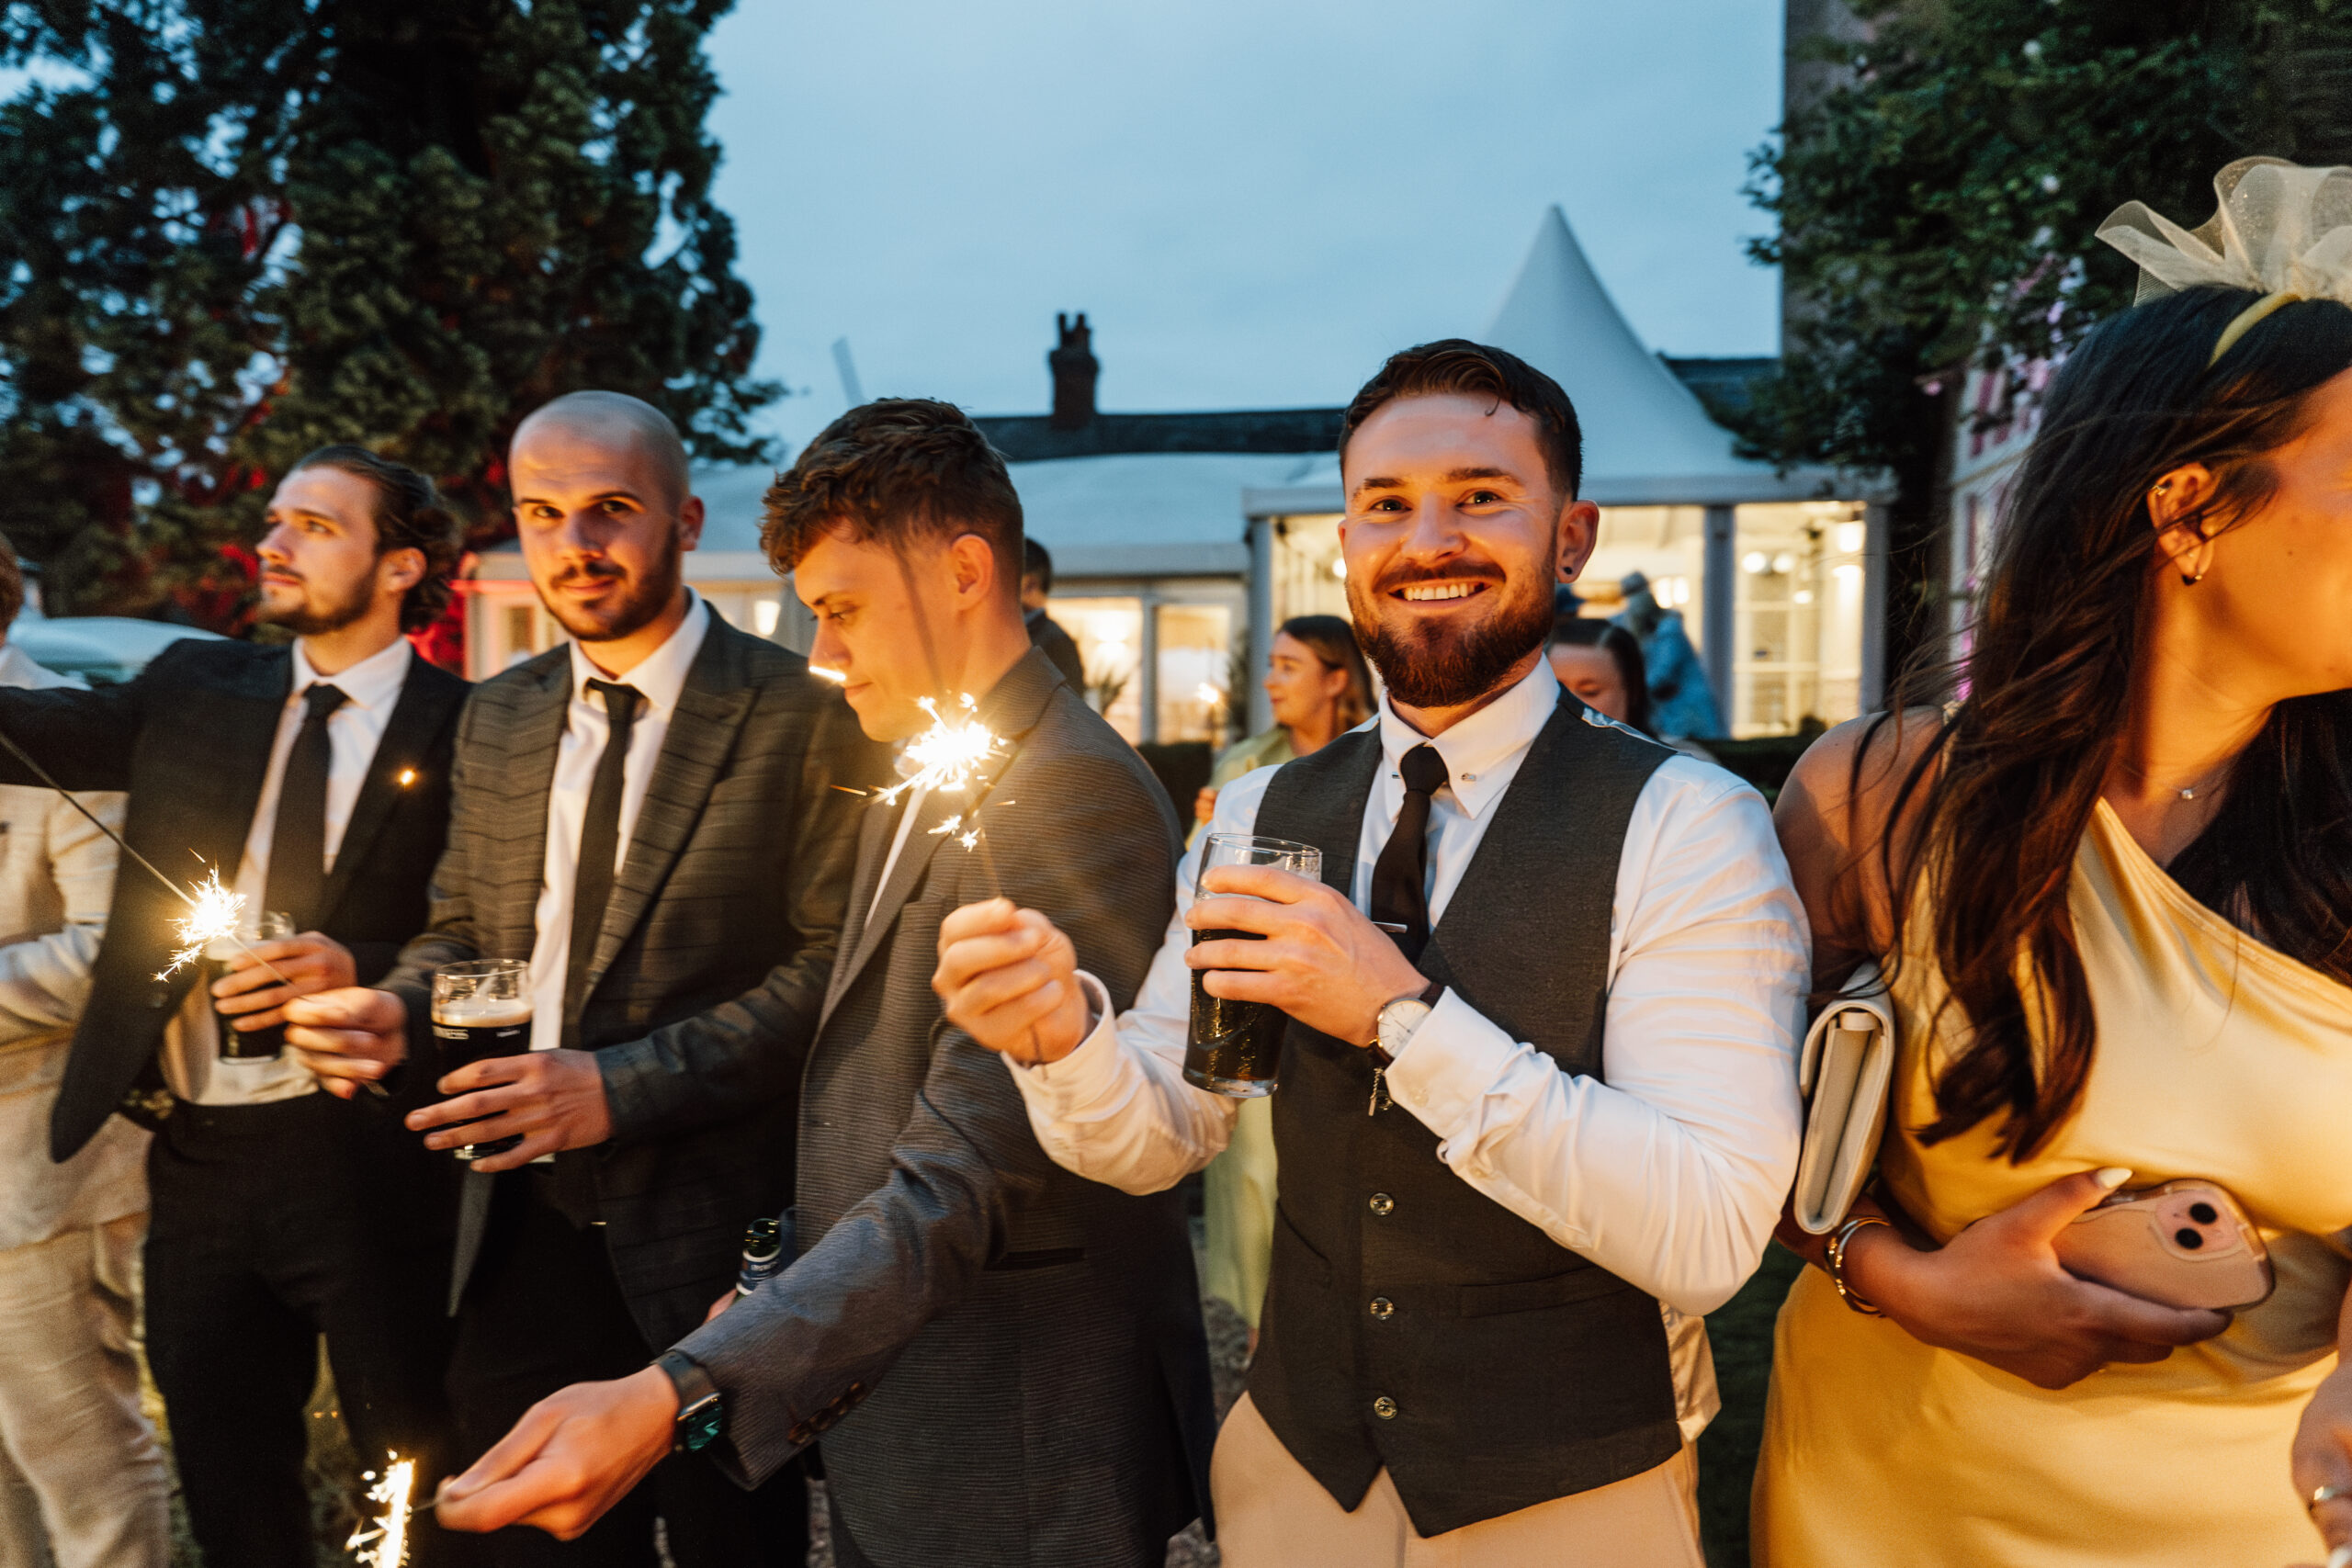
(1939, 203)
(236, 230)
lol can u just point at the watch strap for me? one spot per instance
(700, 1405)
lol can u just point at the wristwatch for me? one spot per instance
(1401, 1017)
(702, 1410)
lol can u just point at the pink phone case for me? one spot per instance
(2185, 1244)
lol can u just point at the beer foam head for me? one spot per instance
(482, 1013)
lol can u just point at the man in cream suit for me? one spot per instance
(82, 1481)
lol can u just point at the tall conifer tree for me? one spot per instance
(235, 229)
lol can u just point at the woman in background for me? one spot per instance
(1319, 689)
(1601, 664)
(2110, 889)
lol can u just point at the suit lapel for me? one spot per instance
(874, 830)
(711, 708)
(921, 843)
(396, 769)
(533, 738)
(246, 729)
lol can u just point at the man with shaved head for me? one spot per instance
(656, 818)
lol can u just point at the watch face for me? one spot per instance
(700, 1424)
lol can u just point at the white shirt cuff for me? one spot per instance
(1087, 1073)
(1449, 1064)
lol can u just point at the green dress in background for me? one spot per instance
(1237, 1188)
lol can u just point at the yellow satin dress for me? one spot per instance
(2218, 1057)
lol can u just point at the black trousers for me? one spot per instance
(542, 1310)
(270, 1225)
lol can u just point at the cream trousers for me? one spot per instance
(1272, 1514)
(82, 1480)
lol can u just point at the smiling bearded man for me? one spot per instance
(1481, 1343)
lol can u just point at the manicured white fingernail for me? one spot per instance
(2112, 1177)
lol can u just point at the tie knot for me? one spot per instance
(1423, 768)
(321, 700)
(620, 702)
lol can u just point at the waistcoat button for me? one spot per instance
(1385, 1408)
(1383, 1308)
(1383, 1204)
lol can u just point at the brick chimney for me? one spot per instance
(1075, 370)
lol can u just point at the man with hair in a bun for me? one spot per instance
(657, 817)
(313, 775)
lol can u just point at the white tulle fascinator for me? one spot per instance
(2281, 231)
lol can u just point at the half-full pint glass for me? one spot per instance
(253, 1044)
(481, 1009)
(1236, 1047)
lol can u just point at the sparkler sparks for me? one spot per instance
(835, 676)
(946, 758)
(213, 914)
(382, 1541)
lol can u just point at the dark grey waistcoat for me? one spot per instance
(1412, 1322)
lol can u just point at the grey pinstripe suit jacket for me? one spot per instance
(709, 972)
(1014, 1355)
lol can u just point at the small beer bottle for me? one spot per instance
(763, 1255)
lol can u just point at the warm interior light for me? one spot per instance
(1753, 562)
(765, 612)
(1339, 566)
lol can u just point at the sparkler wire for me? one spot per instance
(182, 894)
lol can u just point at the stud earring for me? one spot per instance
(2188, 582)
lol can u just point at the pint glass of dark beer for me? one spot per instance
(481, 1009)
(1236, 1047)
(252, 1045)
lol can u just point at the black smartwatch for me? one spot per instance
(702, 1410)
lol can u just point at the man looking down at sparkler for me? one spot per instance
(1005, 1362)
(657, 818)
(1528, 1132)
(313, 778)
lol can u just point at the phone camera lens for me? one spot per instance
(2189, 1239)
(2203, 1213)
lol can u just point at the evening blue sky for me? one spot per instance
(1253, 200)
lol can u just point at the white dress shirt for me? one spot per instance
(1669, 1169)
(192, 1063)
(659, 678)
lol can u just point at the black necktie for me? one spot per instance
(574, 1179)
(1400, 878)
(298, 844)
(600, 836)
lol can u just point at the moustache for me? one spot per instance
(587, 571)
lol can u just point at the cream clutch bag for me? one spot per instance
(1844, 1073)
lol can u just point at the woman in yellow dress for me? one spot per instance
(1318, 687)
(2110, 887)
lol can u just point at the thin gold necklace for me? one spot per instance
(2192, 791)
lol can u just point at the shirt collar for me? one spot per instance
(1475, 748)
(660, 676)
(374, 681)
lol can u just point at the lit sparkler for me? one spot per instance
(946, 758)
(213, 915)
(382, 1541)
(835, 676)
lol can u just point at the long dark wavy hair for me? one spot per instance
(2007, 789)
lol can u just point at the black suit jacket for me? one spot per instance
(1005, 1362)
(709, 975)
(190, 739)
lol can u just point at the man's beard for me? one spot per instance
(1440, 666)
(306, 618)
(640, 605)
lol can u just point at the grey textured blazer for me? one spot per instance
(1014, 1355)
(711, 970)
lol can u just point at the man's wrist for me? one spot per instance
(701, 1410)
